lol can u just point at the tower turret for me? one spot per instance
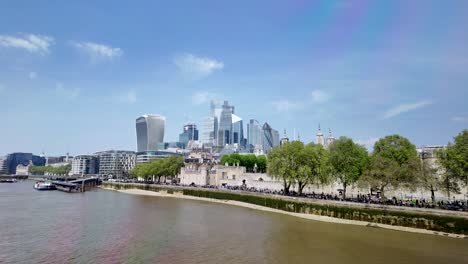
(320, 138)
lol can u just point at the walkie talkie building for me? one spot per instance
(150, 132)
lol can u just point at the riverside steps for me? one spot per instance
(79, 185)
(419, 220)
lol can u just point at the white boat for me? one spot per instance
(44, 186)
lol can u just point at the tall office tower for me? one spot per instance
(275, 137)
(320, 138)
(237, 130)
(224, 133)
(190, 133)
(254, 134)
(267, 137)
(209, 125)
(150, 132)
(330, 138)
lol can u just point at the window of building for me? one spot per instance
(233, 176)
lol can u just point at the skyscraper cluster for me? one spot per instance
(223, 128)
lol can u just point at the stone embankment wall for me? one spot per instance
(435, 220)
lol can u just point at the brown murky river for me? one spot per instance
(109, 227)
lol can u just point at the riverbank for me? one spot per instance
(317, 216)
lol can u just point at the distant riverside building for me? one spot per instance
(148, 156)
(14, 159)
(50, 160)
(149, 131)
(3, 165)
(190, 133)
(23, 169)
(85, 164)
(116, 163)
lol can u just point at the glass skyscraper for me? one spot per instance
(150, 132)
(270, 137)
(190, 133)
(254, 134)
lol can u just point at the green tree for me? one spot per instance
(261, 163)
(248, 161)
(394, 163)
(312, 166)
(284, 163)
(158, 168)
(348, 161)
(429, 179)
(454, 161)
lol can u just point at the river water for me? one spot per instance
(102, 226)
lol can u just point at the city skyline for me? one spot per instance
(349, 67)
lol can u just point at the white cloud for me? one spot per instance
(319, 96)
(64, 92)
(403, 108)
(98, 51)
(33, 43)
(32, 75)
(202, 97)
(287, 106)
(368, 143)
(198, 66)
(460, 119)
(129, 97)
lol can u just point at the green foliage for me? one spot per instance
(296, 163)
(284, 163)
(454, 161)
(158, 168)
(394, 163)
(262, 163)
(312, 168)
(396, 148)
(247, 161)
(41, 170)
(348, 161)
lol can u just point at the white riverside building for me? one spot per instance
(116, 163)
(84, 165)
(150, 132)
(219, 175)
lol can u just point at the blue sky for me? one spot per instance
(74, 75)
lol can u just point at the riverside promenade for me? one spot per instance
(443, 222)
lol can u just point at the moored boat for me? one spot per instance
(8, 180)
(44, 186)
